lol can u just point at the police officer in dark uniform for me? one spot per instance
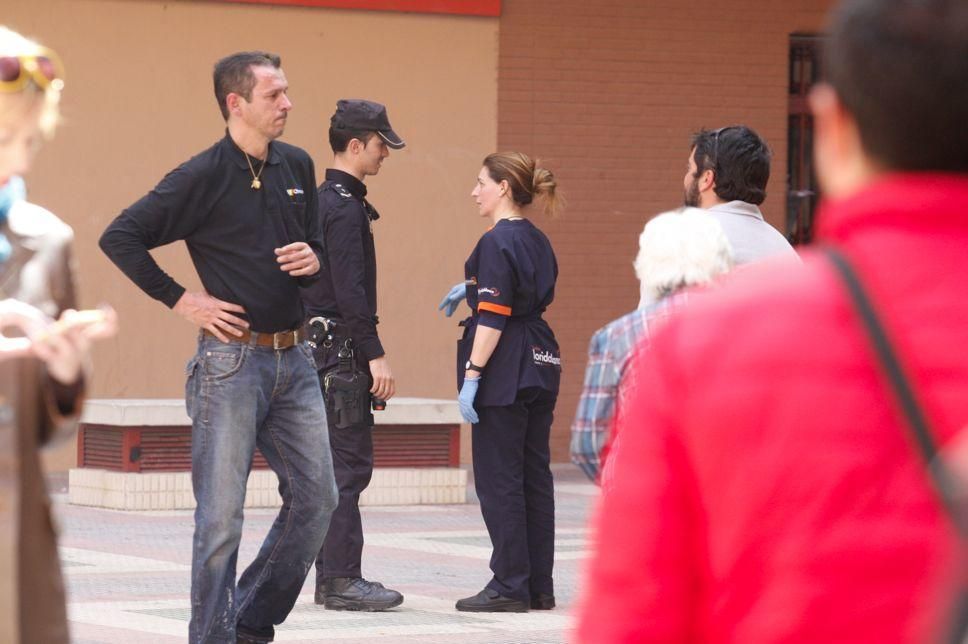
(509, 369)
(351, 362)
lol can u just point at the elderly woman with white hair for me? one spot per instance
(677, 249)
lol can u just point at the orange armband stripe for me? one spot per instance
(500, 309)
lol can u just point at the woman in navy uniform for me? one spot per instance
(508, 374)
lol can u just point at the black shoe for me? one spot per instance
(490, 601)
(247, 635)
(355, 593)
(321, 586)
(542, 601)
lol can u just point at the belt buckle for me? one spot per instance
(279, 338)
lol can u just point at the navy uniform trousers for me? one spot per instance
(352, 450)
(512, 475)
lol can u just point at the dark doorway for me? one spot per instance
(802, 190)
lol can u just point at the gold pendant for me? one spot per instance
(256, 184)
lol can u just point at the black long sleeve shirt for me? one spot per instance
(346, 289)
(231, 230)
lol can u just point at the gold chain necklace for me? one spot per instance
(256, 184)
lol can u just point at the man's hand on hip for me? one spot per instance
(207, 312)
(383, 385)
(297, 259)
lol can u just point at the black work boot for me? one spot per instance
(490, 601)
(355, 593)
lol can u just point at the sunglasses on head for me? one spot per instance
(43, 69)
(715, 154)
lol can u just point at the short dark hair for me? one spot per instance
(900, 67)
(233, 75)
(340, 137)
(739, 159)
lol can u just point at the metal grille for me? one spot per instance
(415, 446)
(101, 449)
(166, 449)
(169, 449)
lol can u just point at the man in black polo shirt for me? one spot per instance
(342, 306)
(247, 211)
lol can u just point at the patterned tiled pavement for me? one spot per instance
(128, 573)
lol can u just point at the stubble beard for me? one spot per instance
(691, 195)
(277, 129)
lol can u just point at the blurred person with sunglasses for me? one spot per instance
(246, 208)
(44, 347)
(769, 487)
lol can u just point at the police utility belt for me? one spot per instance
(346, 387)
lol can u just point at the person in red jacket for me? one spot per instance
(768, 489)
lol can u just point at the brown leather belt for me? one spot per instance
(280, 340)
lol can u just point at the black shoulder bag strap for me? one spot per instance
(944, 481)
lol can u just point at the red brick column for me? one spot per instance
(608, 93)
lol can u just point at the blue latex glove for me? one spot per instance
(453, 298)
(465, 400)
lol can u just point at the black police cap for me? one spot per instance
(358, 114)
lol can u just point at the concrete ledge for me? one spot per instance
(173, 490)
(127, 412)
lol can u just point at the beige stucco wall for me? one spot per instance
(138, 102)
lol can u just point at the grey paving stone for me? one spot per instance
(128, 574)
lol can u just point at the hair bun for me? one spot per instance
(526, 179)
(543, 181)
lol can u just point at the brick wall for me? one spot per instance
(607, 92)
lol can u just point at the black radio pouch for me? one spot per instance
(347, 390)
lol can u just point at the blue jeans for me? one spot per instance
(240, 396)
